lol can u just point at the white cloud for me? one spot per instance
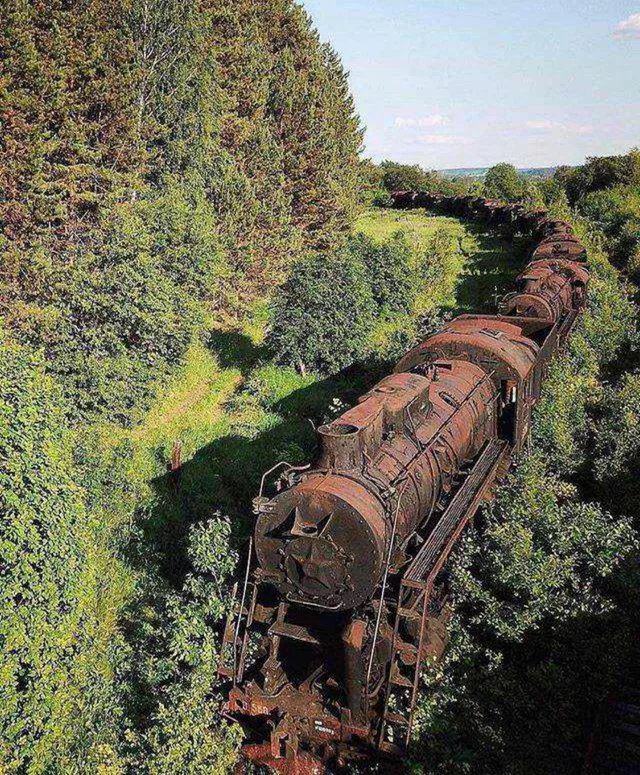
(425, 121)
(444, 140)
(629, 28)
(545, 125)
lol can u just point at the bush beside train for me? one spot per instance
(344, 596)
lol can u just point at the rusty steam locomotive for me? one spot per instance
(344, 599)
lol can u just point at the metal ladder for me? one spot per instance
(405, 667)
(418, 582)
(237, 627)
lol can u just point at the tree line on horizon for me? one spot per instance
(605, 189)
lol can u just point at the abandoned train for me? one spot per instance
(344, 598)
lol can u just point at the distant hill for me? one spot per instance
(480, 172)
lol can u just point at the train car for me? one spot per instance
(343, 597)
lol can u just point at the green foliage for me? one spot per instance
(440, 271)
(503, 181)
(395, 287)
(120, 314)
(373, 192)
(163, 164)
(389, 267)
(452, 266)
(617, 212)
(562, 416)
(606, 190)
(573, 387)
(406, 177)
(530, 599)
(271, 383)
(616, 435)
(181, 181)
(175, 668)
(542, 589)
(323, 314)
(61, 593)
(618, 429)
(540, 555)
(599, 173)
(287, 183)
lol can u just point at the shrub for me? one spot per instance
(528, 598)
(175, 670)
(600, 172)
(405, 177)
(62, 590)
(539, 555)
(390, 270)
(617, 212)
(121, 311)
(503, 181)
(573, 389)
(561, 423)
(618, 428)
(323, 313)
(438, 273)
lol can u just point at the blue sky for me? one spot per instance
(457, 83)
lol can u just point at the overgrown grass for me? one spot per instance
(382, 223)
(481, 269)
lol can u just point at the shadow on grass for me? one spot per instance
(491, 271)
(236, 350)
(225, 475)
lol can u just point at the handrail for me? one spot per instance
(382, 593)
(274, 468)
(242, 601)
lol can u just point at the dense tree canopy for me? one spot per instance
(181, 134)
(164, 165)
(503, 181)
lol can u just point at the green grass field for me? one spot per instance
(485, 267)
(418, 226)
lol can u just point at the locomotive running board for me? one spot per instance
(416, 587)
(437, 547)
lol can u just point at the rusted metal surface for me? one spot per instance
(547, 289)
(323, 541)
(261, 754)
(343, 598)
(495, 345)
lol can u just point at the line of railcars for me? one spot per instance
(344, 597)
